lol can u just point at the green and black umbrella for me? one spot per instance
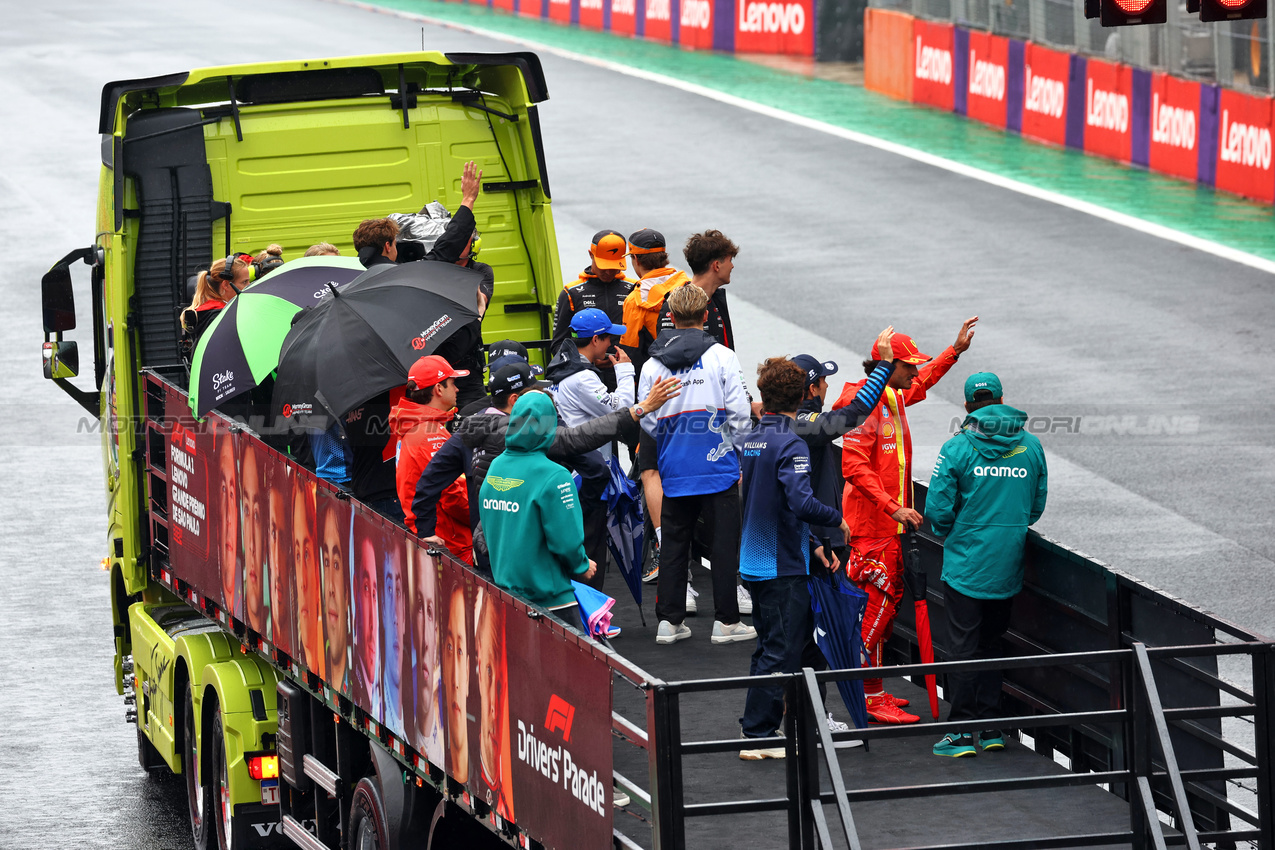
(362, 341)
(241, 346)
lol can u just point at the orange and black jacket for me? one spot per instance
(876, 457)
(588, 292)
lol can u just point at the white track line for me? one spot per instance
(1132, 222)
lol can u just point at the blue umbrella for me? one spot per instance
(838, 608)
(624, 529)
(595, 609)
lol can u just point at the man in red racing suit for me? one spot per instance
(877, 504)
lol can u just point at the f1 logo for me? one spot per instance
(559, 717)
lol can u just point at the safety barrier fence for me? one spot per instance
(1209, 133)
(743, 26)
(1153, 775)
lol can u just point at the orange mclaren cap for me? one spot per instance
(904, 349)
(608, 250)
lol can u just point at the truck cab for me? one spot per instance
(202, 164)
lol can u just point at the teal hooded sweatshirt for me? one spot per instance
(988, 485)
(531, 513)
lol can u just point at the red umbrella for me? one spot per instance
(915, 578)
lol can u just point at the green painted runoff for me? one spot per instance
(1186, 207)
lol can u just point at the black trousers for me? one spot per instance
(974, 626)
(595, 474)
(720, 512)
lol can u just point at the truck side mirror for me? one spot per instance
(58, 298)
(61, 359)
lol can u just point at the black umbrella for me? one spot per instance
(361, 342)
(241, 346)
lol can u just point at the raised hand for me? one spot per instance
(470, 183)
(967, 333)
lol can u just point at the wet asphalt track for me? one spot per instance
(1079, 317)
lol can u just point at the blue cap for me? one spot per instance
(982, 382)
(814, 369)
(593, 322)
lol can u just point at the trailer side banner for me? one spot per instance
(511, 705)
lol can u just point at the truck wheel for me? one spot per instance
(368, 830)
(198, 792)
(223, 808)
(147, 756)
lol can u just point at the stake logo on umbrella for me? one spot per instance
(241, 346)
(362, 341)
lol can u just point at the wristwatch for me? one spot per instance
(637, 411)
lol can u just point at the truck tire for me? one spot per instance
(368, 829)
(198, 791)
(223, 809)
(147, 756)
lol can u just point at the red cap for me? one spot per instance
(431, 370)
(904, 349)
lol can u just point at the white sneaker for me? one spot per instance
(745, 599)
(669, 633)
(733, 633)
(618, 798)
(837, 726)
(692, 607)
(759, 753)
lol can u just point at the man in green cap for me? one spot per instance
(989, 484)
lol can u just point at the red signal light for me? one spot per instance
(1232, 10)
(263, 767)
(1136, 7)
(1120, 13)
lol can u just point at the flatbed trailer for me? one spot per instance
(357, 689)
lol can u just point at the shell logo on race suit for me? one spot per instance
(1175, 126)
(987, 87)
(932, 81)
(1108, 112)
(1244, 154)
(623, 16)
(696, 24)
(766, 26)
(1045, 78)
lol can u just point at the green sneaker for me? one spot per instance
(956, 745)
(992, 739)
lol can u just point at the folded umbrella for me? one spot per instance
(362, 341)
(917, 582)
(625, 524)
(595, 609)
(241, 346)
(838, 610)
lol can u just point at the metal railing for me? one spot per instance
(1152, 771)
(1234, 54)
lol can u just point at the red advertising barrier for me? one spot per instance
(659, 20)
(887, 53)
(695, 27)
(1109, 110)
(932, 80)
(1045, 78)
(1175, 126)
(591, 15)
(988, 78)
(623, 16)
(560, 11)
(775, 26)
(1245, 124)
(531, 8)
(357, 601)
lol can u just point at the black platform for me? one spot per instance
(948, 819)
